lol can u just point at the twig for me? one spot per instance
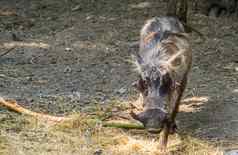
(8, 51)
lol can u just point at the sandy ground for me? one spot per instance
(69, 55)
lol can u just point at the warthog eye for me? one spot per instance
(142, 86)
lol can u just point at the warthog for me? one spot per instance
(163, 62)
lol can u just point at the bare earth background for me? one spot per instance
(74, 55)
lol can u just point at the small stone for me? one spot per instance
(88, 17)
(79, 70)
(76, 8)
(236, 69)
(235, 90)
(29, 78)
(68, 49)
(53, 60)
(77, 94)
(67, 69)
(98, 152)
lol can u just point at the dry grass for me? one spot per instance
(22, 135)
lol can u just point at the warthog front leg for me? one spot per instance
(170, 126)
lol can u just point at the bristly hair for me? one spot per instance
(137, 66)
(155, 30)
(153, 43)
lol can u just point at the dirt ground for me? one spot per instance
(73, 54)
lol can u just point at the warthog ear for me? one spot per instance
(138, 60)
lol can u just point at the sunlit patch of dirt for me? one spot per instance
(235, 90)
(193, 104)
(141, 5)
(26, 44)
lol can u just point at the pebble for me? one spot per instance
(236, 69)
(68, 49)
(98, 152)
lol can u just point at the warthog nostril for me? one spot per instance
(154, 130)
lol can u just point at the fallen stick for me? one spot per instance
(12, 105)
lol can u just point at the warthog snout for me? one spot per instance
(152, 119)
